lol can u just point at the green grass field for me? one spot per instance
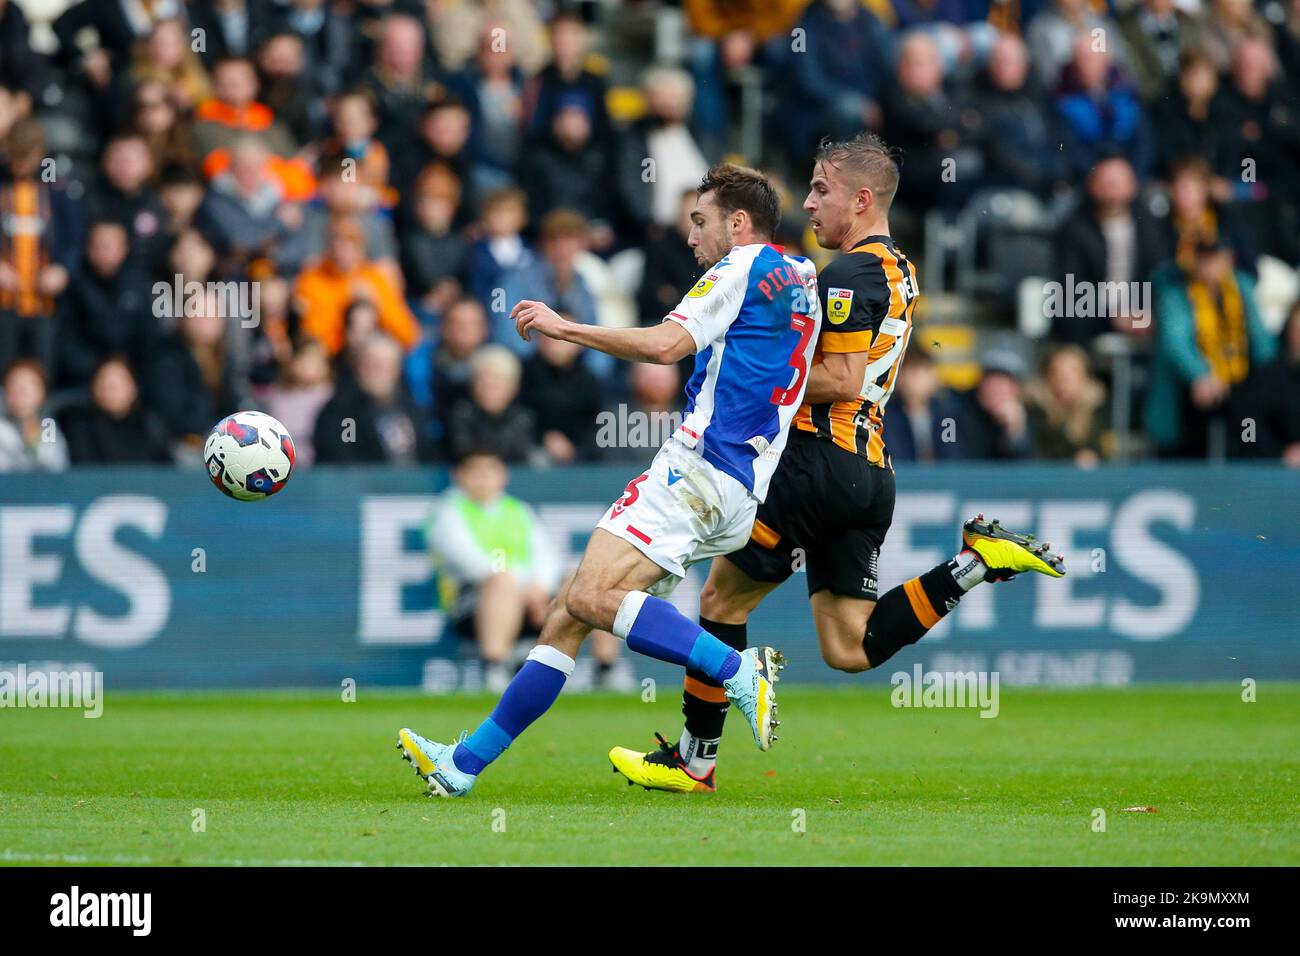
(304, 778)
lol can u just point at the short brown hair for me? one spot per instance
(562, 224)
(866, 157)
(25, 136)
(739, 187)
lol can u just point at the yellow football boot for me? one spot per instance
(662, 769)
(1006, 553)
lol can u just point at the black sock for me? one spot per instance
(703, 702)
(903, 616)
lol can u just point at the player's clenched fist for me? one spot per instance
(531, 316)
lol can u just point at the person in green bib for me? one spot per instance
(498, 569)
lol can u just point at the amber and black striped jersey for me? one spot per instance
(868, 295)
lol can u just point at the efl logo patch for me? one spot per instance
(839, 303)
(703, 286)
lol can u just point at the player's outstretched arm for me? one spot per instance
(662, 344)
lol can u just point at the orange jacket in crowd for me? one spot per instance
(324, 294)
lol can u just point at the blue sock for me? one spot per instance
(655, 628)
(529, 695)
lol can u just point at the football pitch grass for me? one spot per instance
(297, 777)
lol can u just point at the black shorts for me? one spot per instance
(827, 512)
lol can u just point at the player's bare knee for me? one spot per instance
(713, 602)
(584, 600)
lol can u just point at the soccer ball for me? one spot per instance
(249, 455)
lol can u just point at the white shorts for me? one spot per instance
(681, 511)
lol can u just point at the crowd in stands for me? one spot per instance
(389, 177)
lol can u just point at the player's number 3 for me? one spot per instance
(788, 396)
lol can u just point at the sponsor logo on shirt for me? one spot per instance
(839, 303)
(702, 287)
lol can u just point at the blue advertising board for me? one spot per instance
(155, 579)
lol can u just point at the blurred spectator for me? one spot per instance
(106, 310)
(125, 195)
(1067, 409)
(1053, 34)
(502, 248)
(565, 398)
(995, 425)
(1288, 41)
(954, 26)
(1261, 147)
(1100, 113)
(493, 87)
(375, 421)
(21, 70)
(1187, 120)
(233, 114)
(567, 171)
(921, 420)
(492, 417)
(188, 377)
(551, 278)
(1210, 339)
(181, 192)
(28, 442)
(1018, 137)
(836, 79)
(324, 32)
(1107, 240)
(496, 564)
(113, 428)
(567, 77)
(169, 60)
(309, 225)
(434, 261)
(1273, 399)
(326, 290)
(1194, 216)
(356, 154)
(193, 259)
(440, 375)
(157, 120)
(402, 80)
(664, 140)
(923, 121)
(1156, 32)
(444, 132)
(241, 209)
(40, 246)
(1229, 23)
(295, 400)
(291, 88)
(670, 266)
(14, 105)
(276, 332)
(231, 27)
(457, 27)
(117, 26)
